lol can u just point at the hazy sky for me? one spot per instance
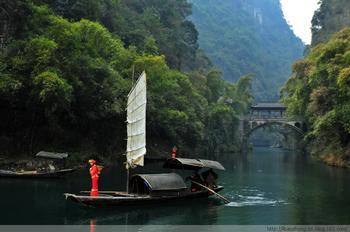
(298, 14)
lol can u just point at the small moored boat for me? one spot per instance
(35, 174)
(50, 172)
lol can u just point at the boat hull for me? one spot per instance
(122, 199)
(55, 174)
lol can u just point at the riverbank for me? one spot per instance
(335, 160)
(331, 155)
(77, 160)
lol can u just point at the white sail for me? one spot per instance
(136, 123)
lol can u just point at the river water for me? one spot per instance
(269, 186)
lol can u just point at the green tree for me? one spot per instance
(64, 79)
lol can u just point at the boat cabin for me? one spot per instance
(57, 159)
(191, 164)
(207, 178)
(165, 184)
(52, 155)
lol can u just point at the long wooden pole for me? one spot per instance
(212, 191)
(128, 168)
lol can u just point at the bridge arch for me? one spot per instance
(291, 125)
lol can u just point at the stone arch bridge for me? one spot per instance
(264, 114)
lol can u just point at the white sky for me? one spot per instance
(298, 14)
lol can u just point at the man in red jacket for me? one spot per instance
(94, 172)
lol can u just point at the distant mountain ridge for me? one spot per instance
(248, 37)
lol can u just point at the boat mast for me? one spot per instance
(127, 166)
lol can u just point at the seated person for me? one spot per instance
(197, 178)
(210, 178)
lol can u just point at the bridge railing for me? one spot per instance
(271, 118)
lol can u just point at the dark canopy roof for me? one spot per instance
(51, 155)
(268, 106)
(192, 164)
(164, 181)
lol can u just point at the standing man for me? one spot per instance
(94, 172)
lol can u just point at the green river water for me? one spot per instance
(269, 186)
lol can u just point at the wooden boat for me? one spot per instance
(35, 174)
(50, 173)
(146, 188)
(152, 188)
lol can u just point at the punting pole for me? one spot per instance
(212, 191)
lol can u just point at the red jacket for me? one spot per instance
(94, 172)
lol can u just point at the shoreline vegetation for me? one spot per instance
(335, 161)
(79, 161)
(319, 90)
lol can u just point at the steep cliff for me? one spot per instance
(248, 37)
(331, 17)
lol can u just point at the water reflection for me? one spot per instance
(92, 225)
(182, 213)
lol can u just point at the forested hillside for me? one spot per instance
(67, 67)
(248, 37)
(331, 17)
(319, 87)
(153, 26)
(319, 90)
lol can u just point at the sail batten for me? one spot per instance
(136, 123)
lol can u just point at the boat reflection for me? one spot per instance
(92, 225)
(181, 213)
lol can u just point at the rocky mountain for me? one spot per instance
(245, 37)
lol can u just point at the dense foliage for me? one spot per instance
(248, 37)
(331, 17)
(153, 26)
(64, 80)
(319, 89)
